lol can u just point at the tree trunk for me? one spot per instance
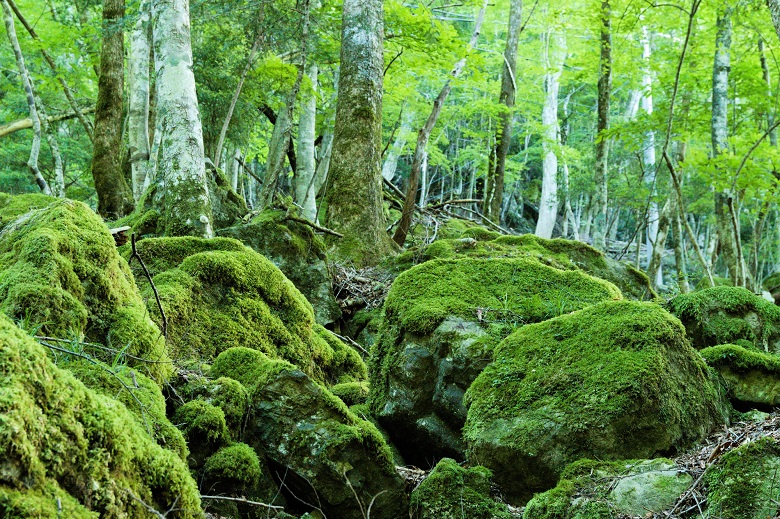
(548, 203)
(774, 10)
(678, 243)
(182, 197)
(305, 195)
(394, 153)
(720, 90)
(648, 160)
(424, 134)
(32, 163)
(658, 245)
(599, 200)
(54, 147)
(354, 192)
(138, 97)
(495, 182)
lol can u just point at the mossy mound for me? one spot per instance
(618, 380)
(351, 393)
(453, 492)
(722, 315)
(60, 274)
(63, 440)
(14, 206)
(299, 254)
(205, 428)
(219, 294)
(604, 490)
(442, 320)
(558, 253)
(752, 377)
(743, 483)
(329, 456)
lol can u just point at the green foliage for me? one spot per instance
(202, 423)
(236, 464)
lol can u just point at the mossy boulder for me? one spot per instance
(752, 377)
(299, 254)
(558, 253)
(351, 393)
(452, 492)
(14, 206)
(63, 440)
(442, 320)
(742, 484)
(723, 315)
(328, 456)
(60, 274)
(618, 380)
(204, 427)
(596, 489)
(219, 294)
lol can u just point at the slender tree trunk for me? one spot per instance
(305, 195)
(54, 147)
(235, 169)
(548, 203)
(425, 132)
(354, 192)
(720, 131)
(114, 196)
(32, 163)
(649, 161)
(678, 243)
(138, 97)
(774, 10)
(495, 181)
(394, 153)
(182, 197)
(659, 244)
(599, 200)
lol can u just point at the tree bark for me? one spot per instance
(305, 195)
(548, 203)
(495, 181)
(182, 197)
(138, 98)
(649, 162)
(32, 163)
(114, 196)
(774, 10)
(424, 134)
(394, 153)
(354, 191)
(599, 199)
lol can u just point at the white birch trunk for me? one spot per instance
(648, 158)
(138, 110)
(235, 168)
(305, 195)
(424, 179)
(183, 198)
(394, 153)
(554, 55)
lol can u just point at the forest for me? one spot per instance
(383, 259)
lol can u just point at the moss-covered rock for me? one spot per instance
(596, 489)
(219, 294)
(742, 484)
(299, 254)
(60, 274)
(454, 492)
(618, 380)
(13, 206)
(442, 320)
(63, 440)
(351, 393)
(204, 427)
(752, 377)
(329, 456)
(722, 315)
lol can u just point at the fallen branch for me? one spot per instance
(313, 225)
(351, 342)
(245, 501)
(104, 348)
(448, 202)
(154, 288)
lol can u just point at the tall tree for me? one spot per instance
(599, 199)
(138, 98)
(181, 191)
(495, 181)
(354, 190)
(114, 196)
(648, 160)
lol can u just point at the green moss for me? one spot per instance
(202, 422)
(615, 380)
(740, 359)
(351, 393)
(743, 483)
(60, 274)
(451, 491)
(48, 502)
(218, 294)
(722, 315)
(772, 282)
(13, 206)
(704, 283)
(480, 234)
(60, 437)
(236, 465)
(239, 364)
(141, 396)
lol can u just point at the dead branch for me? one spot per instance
(313, 225)
(245, 501)
(154, 288)
(449, 202)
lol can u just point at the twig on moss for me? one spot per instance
(245, 501)
(351, 342)
(104, 348)
(154, 288)
(313, 225)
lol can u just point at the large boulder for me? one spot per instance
(452, 492)
(219, 294)
(752, 377)
(61, 276)
(442, 320)
(743, 483)
(299, 254)
(603, 490)
(618, 380)
(723, 315)
(69, 451)
(324, 455)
